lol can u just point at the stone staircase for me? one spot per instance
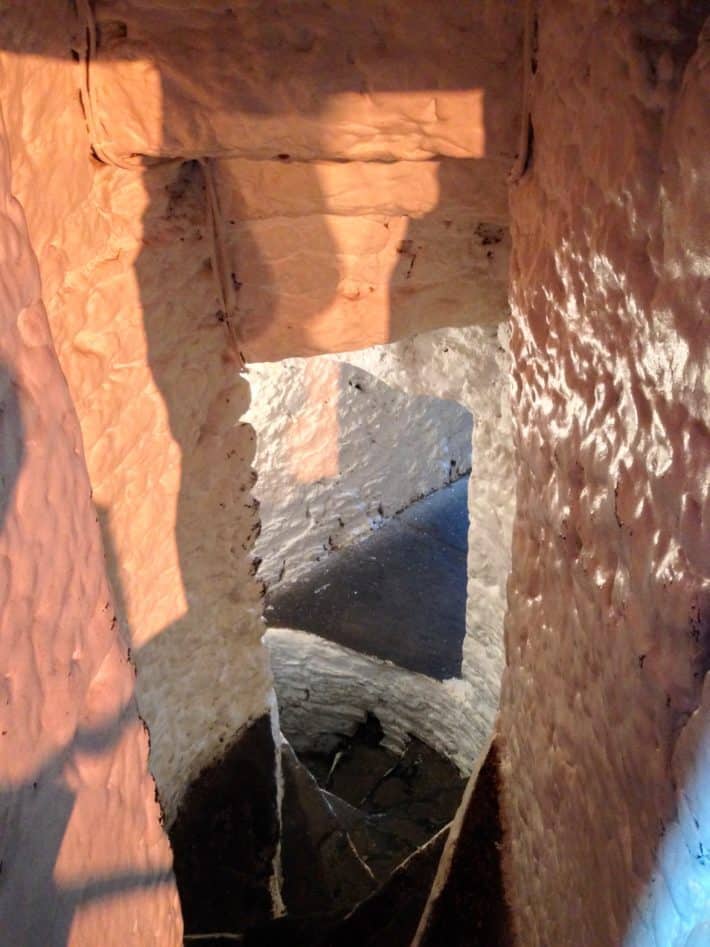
(362, 830)
(345, 881)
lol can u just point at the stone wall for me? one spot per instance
(604, 725)
(132, 305)
(84, 858)
(322, 698)
(343, 195)
(134, 311)
(158, 271)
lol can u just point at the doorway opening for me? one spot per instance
(364, 481)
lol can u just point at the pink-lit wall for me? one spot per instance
(607, 630)
(84, 857)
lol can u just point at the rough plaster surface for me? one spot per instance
(379, 81)
(312, 254)
(338, 452)
(129, 265)
(170, 462)
(362, 197)
(293, 414)
(84, 857)
(334, 256)
(325, 690)
(605, 736)
(607, 634)
(133, 307)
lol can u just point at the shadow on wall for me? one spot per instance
(35, 814)
(358, 71)
(11, 440)
(182, 296)
(339, 453)
(399, 595)
(326, 273)
(187, 348)
(315, 97)
(254, 280)
(178, 391)
(34, 818)
(342, 453)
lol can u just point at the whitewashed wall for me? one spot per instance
(131, 302)
(338, 452)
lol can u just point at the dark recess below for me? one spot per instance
(471, 910)
(225, 835)
(225, 838)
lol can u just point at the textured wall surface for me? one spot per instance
(338, 452)
(358, 154)
(605, 753)
(333, 256)
(306, 255)
(608, 641)
(84, 857)
(326, 690)
(134, 312)
(160, 396)
(470, 365)
(137, 277)
(376, 81)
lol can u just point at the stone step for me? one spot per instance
(399, 594)
(322, 871)
(468, 907)
(387, 918)
(353, 817)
